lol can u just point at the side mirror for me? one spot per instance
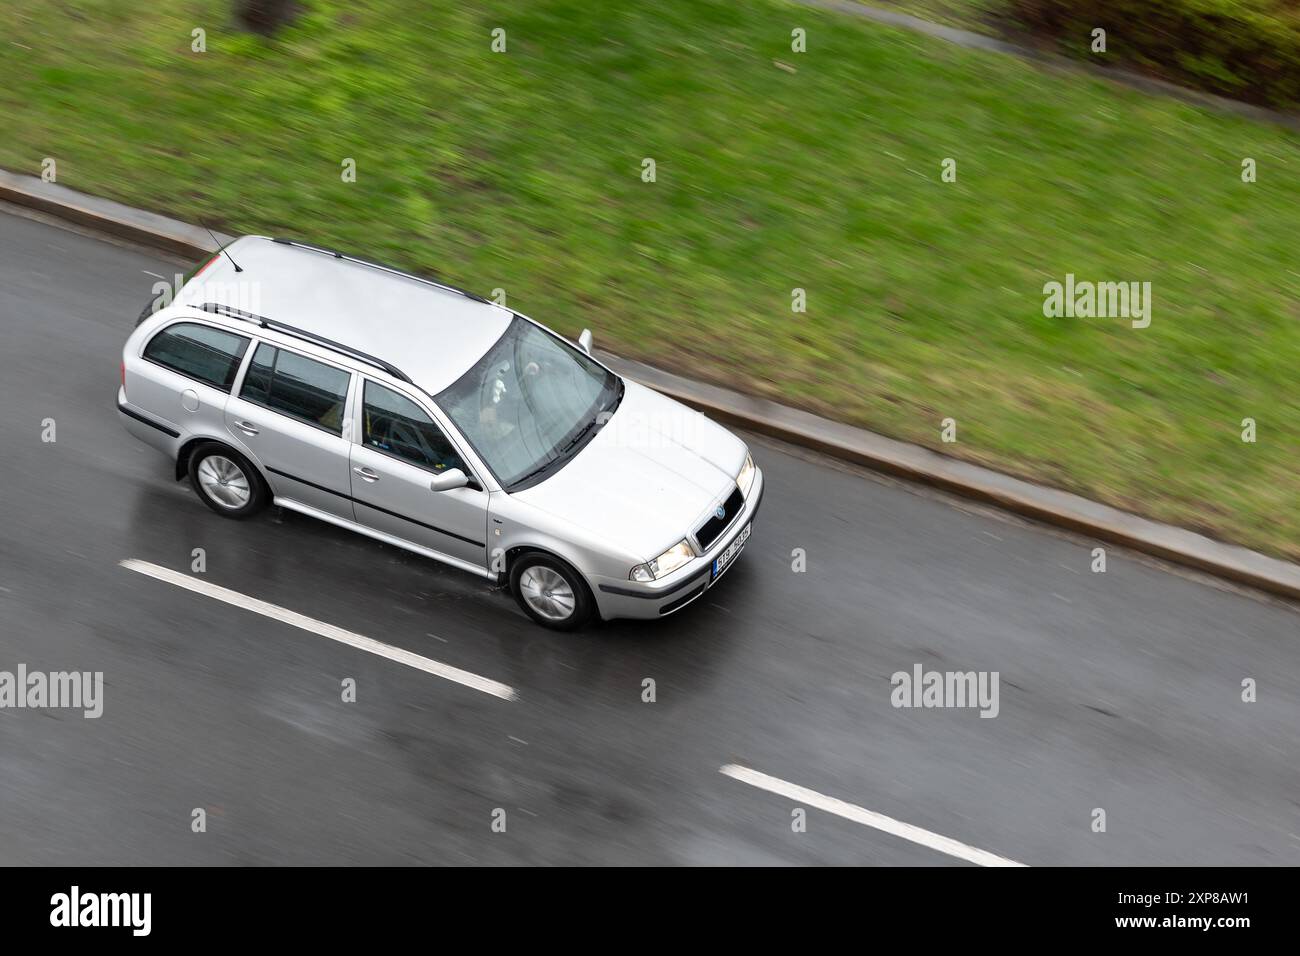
(584, 341)
(449, 479)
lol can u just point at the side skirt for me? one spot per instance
(384, 537)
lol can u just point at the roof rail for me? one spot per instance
(377, 265)
(216, 308)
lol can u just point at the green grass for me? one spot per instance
(522, 170)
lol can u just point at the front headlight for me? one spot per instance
(668, 562)
(746, 477)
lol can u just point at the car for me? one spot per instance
(431, 419)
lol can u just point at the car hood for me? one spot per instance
(651, 475)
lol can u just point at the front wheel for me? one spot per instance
(550, 592)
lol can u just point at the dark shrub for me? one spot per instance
(1246, 49)
(264, 16)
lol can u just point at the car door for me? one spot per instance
(290, 413)
(399, 449)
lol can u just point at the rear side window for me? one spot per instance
(199, 351)
(394, 424)
(297, 386)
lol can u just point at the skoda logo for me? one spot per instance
(720, 513)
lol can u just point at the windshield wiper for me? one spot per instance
(582, 433)
(559, 456)
(532, 474)
(600, 419)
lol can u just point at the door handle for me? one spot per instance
(366, 474)
(248, 428)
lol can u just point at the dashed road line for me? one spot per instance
(302, 621)
(869, 818)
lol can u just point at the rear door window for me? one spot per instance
(297, 386)
(200, 352)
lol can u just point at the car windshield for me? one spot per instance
(530, 403)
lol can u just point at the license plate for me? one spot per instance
(721, 561)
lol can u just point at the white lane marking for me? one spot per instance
(359, 641)
(154, 274)
(804, 796)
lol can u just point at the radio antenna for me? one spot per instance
(221, 248)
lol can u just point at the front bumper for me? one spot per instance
(630, 599)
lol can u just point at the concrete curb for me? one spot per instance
(835, 439)
(915, 463)
(104, 215)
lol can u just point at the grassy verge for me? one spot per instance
(775, 170)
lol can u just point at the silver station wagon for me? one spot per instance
(429, 418)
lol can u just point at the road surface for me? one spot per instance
(1119, 690)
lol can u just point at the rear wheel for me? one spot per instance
(550, 592)
(226, 481)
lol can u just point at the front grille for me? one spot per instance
(709, 531)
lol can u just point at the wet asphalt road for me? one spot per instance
(1119, 691)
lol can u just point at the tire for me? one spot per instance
(550, 592)
(226, 481)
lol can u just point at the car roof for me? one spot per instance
(432, 333)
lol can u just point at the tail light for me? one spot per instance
(203, 267)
